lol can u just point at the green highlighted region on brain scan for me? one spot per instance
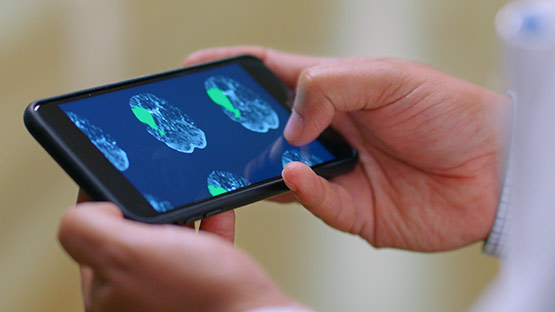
(241, 104)
(166, 123)
(220, 182)
(216, 190)
(102, 141)
(297, 155)
(221, 99)
(145, 117)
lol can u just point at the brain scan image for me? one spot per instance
(297, 155)
(220, 182)
(241, 104)
(102, 141)
(166, 123)
(158, 204)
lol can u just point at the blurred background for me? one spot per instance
(57, 46)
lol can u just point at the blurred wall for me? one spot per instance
(56, 46)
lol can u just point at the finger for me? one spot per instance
(222, 224)
(287, 66)
(351, 85)
(330, 202)
(87, 275)
(92, 233)
(284, 198)
(82, 196)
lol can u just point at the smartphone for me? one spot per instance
(181, 145)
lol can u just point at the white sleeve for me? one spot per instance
(497, 242)
(526, 279)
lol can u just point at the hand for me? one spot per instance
(130, 266)
(430, 147)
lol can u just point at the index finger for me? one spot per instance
(349, 86)
(222, 224)
(287, 66)
(94, 234)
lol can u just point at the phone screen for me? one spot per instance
(188, 138)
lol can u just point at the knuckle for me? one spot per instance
(308, 78)
(312, 84)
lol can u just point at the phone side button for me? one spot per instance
(213, 212)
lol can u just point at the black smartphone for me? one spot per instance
(184, 144)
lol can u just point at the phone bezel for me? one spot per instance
(102, 181)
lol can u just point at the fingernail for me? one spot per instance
(292, 187)
(294, 126)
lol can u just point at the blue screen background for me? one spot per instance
(181, 178)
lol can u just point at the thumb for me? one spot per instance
(328, 201)
(347, 86)
(88, 233)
